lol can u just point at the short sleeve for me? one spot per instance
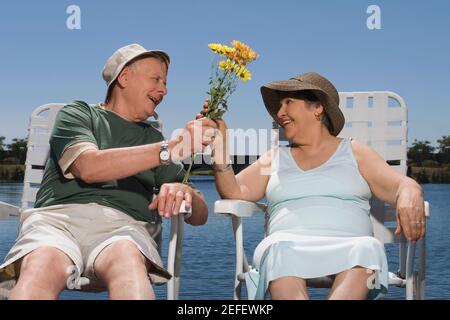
(73, 124)
(71, 154)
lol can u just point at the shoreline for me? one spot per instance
(14, 173)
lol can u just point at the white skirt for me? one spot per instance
(308, 256)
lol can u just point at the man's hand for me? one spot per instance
(170, 197)
(195, 137)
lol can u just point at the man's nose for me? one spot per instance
(162, 88)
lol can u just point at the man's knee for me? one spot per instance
(122, 267)
(46, 264)
(118, 255)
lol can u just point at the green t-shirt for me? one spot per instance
(78, 122)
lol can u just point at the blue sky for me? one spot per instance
(42, 61)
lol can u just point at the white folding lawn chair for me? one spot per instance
(378, 119)
(39, 131)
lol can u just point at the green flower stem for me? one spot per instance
(223, 78)
(188, 172)
(214, 104)
(213, 101)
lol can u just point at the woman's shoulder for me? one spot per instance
(360, 149)
(365, 155)
(274, 152)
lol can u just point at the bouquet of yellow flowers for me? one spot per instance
(227, 74)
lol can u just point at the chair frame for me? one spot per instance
(368, 119)
(39, 131)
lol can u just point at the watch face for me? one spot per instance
(164, 155)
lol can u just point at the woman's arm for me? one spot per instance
(392, 187)
(250, 184)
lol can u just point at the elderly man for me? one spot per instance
(92, 210)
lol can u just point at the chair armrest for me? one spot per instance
(186, 213)
(8, 210)
(427, 209)
(183, 212)
(238, 208)
(175, 251)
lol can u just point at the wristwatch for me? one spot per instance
(164, 153)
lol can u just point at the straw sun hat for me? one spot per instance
(311, 81)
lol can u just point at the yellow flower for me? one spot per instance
(240, 46)
(244, 54)
(224, 83)
(240, 52)
(226, 65)
(238, 69)
(222, 50)
(244, 74)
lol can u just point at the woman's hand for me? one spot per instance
(219, 144)
(410, 213)
(204, 110)
(170, 197)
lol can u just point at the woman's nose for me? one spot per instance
(282, 110)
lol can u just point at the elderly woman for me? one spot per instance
(318, 190)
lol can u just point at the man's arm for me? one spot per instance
(94, 166)
(75, 146)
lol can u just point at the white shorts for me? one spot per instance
(82, 231)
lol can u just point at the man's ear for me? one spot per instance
(122, 79)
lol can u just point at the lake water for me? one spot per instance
(209, 250)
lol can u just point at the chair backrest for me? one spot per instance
(38, 148)
(39, 130)
(378, 119)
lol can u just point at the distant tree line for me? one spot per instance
(12, 158)
(13, 153)
(426, 164)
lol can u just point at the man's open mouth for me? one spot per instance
(156, 101)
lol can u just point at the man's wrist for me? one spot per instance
(165, 156)
(175, 149)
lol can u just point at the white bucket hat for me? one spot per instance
(125, 55)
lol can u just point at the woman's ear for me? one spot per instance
(319, 108)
